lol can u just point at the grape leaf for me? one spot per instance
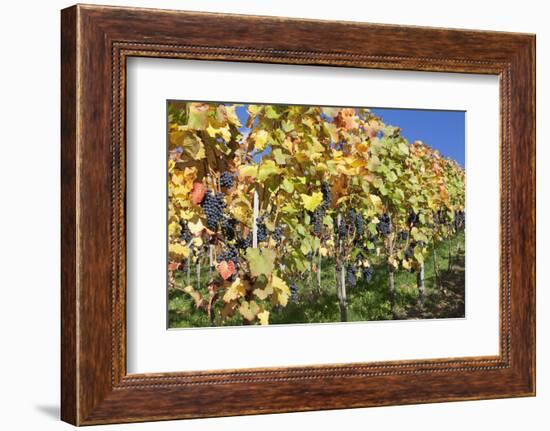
(178, 251)
(236, 290)
(263, 317)
(198, 116)
(249, 310)
(260, 139)
(226, 269)
(197, 193)
(313, 201)
(281, 289)
(267, 168)
(260, 260)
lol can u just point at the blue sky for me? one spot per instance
(442, 130)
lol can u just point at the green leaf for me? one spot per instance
(287, 126)
(372, 228)
(280, 158)
(403, 148)
(418, 255)
(260, 260)
(287, 185)
(305, 247)
(254, 110)
(260, 139)
(313, 201)
(373, 163)
(198, 116)
(193, 146)
(391, 176)
(417, 235)
(271, 113)
(267, 168)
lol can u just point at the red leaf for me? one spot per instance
(226, 269)
(198, 192)
(172, 266)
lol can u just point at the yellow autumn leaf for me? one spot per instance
(232, 115)
(268, 168)
(263, 293)
(260, 139)
(173, 228)
(263, 317)
(313, 201)
(249, 310)
(186, 215)
(376, 201)
(281, 290)
(248, 171)
(178, 250)
(323, 251)
(222, 131)
(241, 212)
(236, 290)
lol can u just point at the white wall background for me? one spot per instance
(29, 215)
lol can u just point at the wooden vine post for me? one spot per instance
(341, 280)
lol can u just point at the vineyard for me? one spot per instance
(301, 214)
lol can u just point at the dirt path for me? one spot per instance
(447, 302)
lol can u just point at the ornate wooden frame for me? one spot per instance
(95, 43)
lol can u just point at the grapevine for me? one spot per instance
(303, 188)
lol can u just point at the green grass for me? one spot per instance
(366, 302)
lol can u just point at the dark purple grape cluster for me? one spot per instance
(319, 213)
(186, 235)
(229, 254)
(412, 220)
(409, 251)
(226, 180)
(440, 217)
(278, 234)
(352, 217)
(317, 220)
(368, 272)
(244, 243)
(294, 292)
(459, 220)
(261, 234)
(327, 195)
(228, 228)
(403, 235)
(342, 228)
(359, 225)
(213, 205)
(351, 278)
(384, 224)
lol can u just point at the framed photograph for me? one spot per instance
(267, 217)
